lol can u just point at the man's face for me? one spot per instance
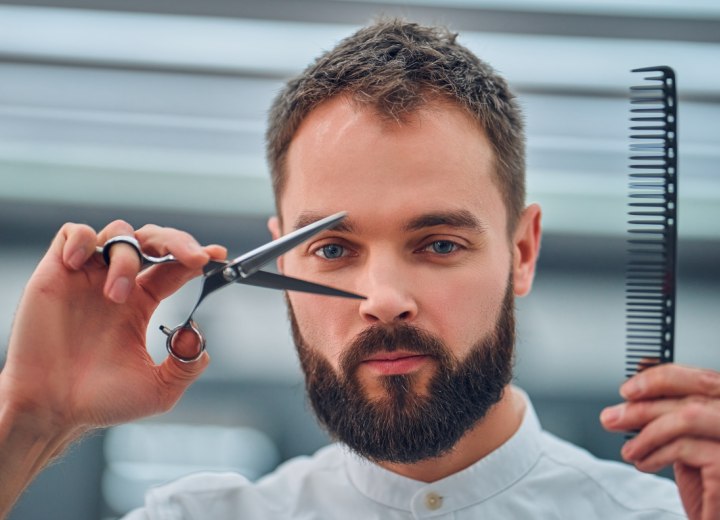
(425, 241)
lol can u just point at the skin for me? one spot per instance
(77, 357)
(391, 179)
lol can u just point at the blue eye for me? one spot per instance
(443, 247)
(331, 251)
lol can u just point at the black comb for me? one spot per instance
(652, 225)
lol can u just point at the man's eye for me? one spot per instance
(331, 251)
(442, 247)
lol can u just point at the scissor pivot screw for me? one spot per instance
(229, 274)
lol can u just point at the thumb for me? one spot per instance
(178, 376)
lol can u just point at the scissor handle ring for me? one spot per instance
(121, 239)
(191, 327)
(145, 259)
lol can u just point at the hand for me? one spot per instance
(77, 357)
(676, 410)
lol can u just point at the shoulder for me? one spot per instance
(230, 495)
(612, 486)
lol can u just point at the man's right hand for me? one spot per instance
(77, 358)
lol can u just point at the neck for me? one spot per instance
(500, 423)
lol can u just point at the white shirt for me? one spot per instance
(534, 475)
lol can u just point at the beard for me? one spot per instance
(405, 425)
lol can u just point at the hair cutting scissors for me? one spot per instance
(245, 269)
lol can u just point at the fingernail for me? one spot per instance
(77, 258)
(120, 290)
(612, 414)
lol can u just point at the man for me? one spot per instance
(422, 144)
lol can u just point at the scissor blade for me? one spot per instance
(253, 260)
(278, 281)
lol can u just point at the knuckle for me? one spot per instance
(71, 228)
(119, 222)
(709, 382)
(692, 412)
(148, 229)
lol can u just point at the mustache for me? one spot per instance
(389, 338)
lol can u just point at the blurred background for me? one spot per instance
(154, 111)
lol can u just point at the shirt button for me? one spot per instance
(433, 501)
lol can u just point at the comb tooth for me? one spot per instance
(647, 99)
(647, 252)
(649, 127)
(648, 118)
(649, 264)
(647, 110)
(647, 204)
(647, 136)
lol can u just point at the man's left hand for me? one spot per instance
(676, 412)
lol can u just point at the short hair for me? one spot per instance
(397, 67)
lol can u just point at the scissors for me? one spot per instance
(244, 269)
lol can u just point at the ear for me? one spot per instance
(526, 248)
(273, 225)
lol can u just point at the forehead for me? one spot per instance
(346, 157)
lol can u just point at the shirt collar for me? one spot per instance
(484, 479)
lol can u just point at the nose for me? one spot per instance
(389, 292)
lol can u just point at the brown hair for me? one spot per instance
(397, 67)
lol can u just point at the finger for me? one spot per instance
(697, 453)
(669, 380)
(690, 485)
(161, 281)
(182, 245)
(634, 415)
(76, 243)
(124, 263)
(693, 419)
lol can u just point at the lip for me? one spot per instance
(395, 363)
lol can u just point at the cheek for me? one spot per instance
(321, 321)
(466, 306)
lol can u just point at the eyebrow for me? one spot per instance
(309, 217)
(461, 219)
